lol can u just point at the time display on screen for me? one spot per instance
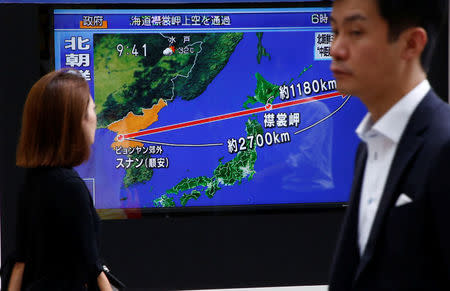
(131, 50)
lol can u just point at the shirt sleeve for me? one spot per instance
(80, 225)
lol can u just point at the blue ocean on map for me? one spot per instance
(316, 166)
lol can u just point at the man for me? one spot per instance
(396, 232)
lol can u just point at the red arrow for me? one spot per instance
(121, 137)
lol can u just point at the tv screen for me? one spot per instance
(207, 108)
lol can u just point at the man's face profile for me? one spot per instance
(365, 61)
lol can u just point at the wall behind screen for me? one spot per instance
(19, 51)
(162, 252)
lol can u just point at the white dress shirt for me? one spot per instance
(382, 139)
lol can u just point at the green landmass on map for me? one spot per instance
(136, 175)
(128, 83)
(261, 49)
(114, 72)
(265, 92)
(164, 201)
(188, 183)
(234, 171)
(186, 197)
(240, 167)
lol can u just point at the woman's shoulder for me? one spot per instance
(57, 190)
(56, 178)
(53, 173)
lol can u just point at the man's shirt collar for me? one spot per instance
(394, 121)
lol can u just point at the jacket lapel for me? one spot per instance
(346, 257)
(409, 144)
(351, 232)
(359, 171)
(360, 163)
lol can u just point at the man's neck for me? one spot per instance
(381, 102)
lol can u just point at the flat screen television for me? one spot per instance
(202, 109)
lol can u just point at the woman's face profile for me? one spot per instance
(90, 121)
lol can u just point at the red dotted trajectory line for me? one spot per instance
(267, 107)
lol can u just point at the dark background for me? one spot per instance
(216, 249)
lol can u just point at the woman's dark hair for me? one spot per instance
(52, 134)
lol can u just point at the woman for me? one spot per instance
(57, 230)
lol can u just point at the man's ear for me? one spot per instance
(415, 40)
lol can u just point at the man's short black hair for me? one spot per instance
(403, 14)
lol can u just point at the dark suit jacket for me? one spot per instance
(409, 245)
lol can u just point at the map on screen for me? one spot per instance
(211, 108)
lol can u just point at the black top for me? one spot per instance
(57, 231)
